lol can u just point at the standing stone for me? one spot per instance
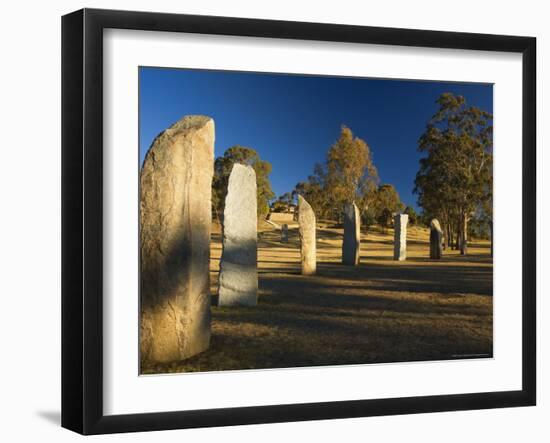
(351, 246)
(400, 236)
(307, 230)
(175, 220)
(284, 233)
(436, 240)
(239, 261)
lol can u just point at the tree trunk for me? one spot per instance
(448, 236)
(452, 242)
(464, 235)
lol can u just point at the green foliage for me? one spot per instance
(456, 177)
(348, 175)
(283, 203)
(413, 217)
(222, 168)
(384, 219)
(368, 218)
(479, 228)
(313, 191)
(278, 206)
(385, 203)
(350, 172)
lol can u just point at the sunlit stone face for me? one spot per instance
(175, 223)
(239, 262)
(400, 236)
(308, 246)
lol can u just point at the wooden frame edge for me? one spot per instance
(82, 156)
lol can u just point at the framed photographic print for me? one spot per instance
(269, 221)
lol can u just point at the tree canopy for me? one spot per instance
(283, 202)
(455, 177)
(348, 175)
(413, 216)
(385, 203)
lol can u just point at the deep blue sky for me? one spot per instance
(292, 120)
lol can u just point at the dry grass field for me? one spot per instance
(380, 311)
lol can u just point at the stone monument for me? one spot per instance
(436, 240)
(400, 236)
(307, 230)
(175, 220)
(284, 233)
(238, 281)
(351, 246)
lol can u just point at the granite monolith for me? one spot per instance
(175, 222)
(307, 231)
(238, 282)
(351, 246)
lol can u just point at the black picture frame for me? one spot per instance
(82, 218)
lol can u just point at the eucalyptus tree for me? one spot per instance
(455, 177)
(350, 173)
(347, 175)
(386, 203)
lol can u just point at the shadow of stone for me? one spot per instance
(321, 296)
(305, 321)
(448, 275)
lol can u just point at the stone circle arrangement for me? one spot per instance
(175, 229)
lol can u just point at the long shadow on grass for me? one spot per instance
(440, 278)
(303, 322)
(376, 312)
(352, 316)
(313, 304)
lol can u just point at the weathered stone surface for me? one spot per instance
(400, 236)
(239, 261)
(175, 220)
(307, 231)
(284, 233)
(351, 246)
(436, 240)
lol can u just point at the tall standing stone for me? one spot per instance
(351, 246)
(307, 230)
(436, 240)
(400, 236)
(175, 221)
(239, 261)
(284, 233)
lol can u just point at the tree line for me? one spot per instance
(349, 175)
(454, 182)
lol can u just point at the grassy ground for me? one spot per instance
(380, 311)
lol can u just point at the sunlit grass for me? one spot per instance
(380, 311)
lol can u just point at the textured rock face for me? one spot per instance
(436, 240)
(175, 219)
(400, 236)
(239, 261)
(284, 233)
(307, 230)
(351, 246)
